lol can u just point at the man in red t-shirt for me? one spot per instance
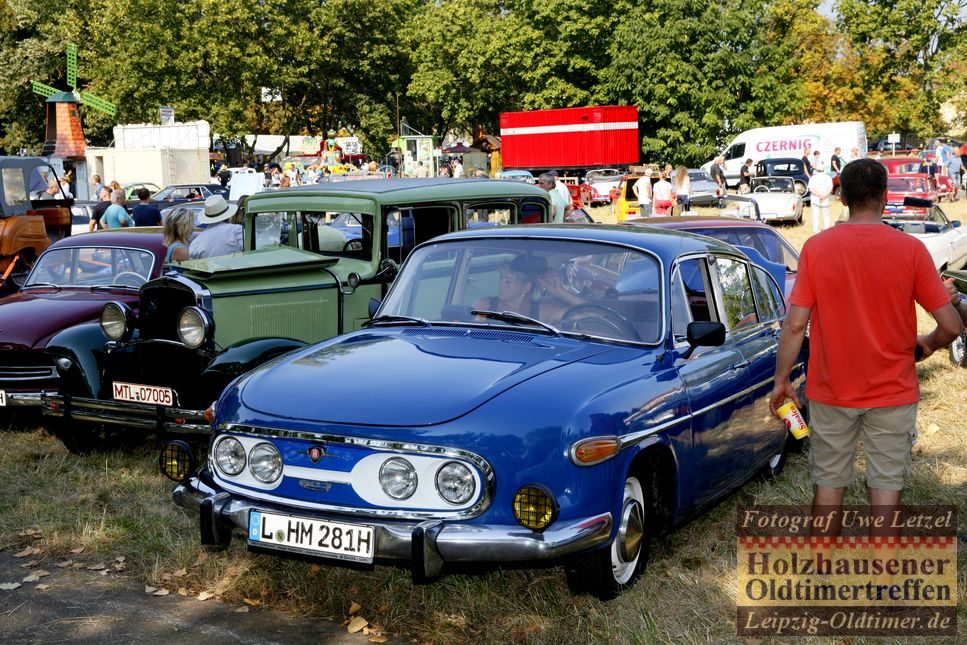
(856, 288)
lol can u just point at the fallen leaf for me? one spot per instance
(933, 428)
(120, 558)
(356, 624)
(378, 639)
(31, 578)
(27, 565)
(77, 565)
(119, 566)
(42, 587)
(182, 591)
(161, 592)
(78, 550)
(103, 573)
(166, 576)
(205, 595)
(200, 560)
(241, 610)
(9, 586)
(100, 566)
(40, 573)
(354, 608)
(251, 603)
(65, 564)
(314, 570)
(148, 589)
(365, 631)
(180, 573)
(26, 552)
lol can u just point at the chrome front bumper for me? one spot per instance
(137, 416)
(23, 399)
(427, 544)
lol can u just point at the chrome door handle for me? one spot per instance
(741, 365)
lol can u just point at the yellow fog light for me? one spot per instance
(534, 507)
(177, 461)
(594, 450)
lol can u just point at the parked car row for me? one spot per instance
(319, 404)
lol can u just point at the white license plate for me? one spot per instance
(3, 398)
(316, 537)
(143, 393)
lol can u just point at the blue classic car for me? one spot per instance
(522, 394)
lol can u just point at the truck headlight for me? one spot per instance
(229, 456)
(455, 483)
(194, 327)
(117, 321)
(398, 478)
(265, 463)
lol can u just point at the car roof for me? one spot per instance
(665, 243)
(705, 221)
(145, 237)
(780, 160)
(441, 189)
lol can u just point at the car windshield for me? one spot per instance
(575, 287)
(91, 267)
(699, 175)
(906, 184)
(595, 176)
(773, 184)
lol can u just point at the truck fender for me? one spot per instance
(242, 357)
(83, 345)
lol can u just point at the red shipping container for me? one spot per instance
(582, 137)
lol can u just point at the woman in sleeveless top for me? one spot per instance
(179, 226)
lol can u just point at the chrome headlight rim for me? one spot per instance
(122, 313)
(409, 469)
(273, 453)
(222, 441)
(469, 475)
(203, 329)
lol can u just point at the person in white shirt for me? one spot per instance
(561, 187)
(221, 237)
(457, 169)
(560, 208)
(683, 190)
(642, 190)
(661, 195)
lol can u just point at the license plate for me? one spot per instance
(150, 394)
(315, 537)
(3, 398)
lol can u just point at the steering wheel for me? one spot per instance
(352, 245)
(130, 278)
(598, 317)
(761, 189)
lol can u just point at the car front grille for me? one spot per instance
(161, 303)
(27, 369)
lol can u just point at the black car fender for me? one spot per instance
(83, 347)
(235, 360)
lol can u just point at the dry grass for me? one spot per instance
(117, 504)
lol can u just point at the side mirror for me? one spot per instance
(955, 223)
(704, 334)
(374, 306)
(388, 269)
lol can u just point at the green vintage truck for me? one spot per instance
(315, 258)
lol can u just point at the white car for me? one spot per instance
(945, 239)
(777, 198)
(601, 182)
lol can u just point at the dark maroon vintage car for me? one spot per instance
(69, 284)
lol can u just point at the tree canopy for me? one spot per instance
(698, 71)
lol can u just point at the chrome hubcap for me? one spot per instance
(957, 349)
(631, 531)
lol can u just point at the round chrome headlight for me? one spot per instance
(265, 463)
(398, 478)
(229, 455)
(194, 327)
(455, 483)
(117, 320)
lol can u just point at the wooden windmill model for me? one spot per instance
(64, 136)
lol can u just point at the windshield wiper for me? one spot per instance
(114, 286)
(42, 284)
(396, 320)
(514, 317)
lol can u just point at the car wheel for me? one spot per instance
(82, 438)
(958, 350)
(777, 462)
(609, 571)
(800, 188)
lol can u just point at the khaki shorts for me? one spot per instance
(888, 435)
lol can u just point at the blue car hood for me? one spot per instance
(408, 377)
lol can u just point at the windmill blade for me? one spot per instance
(72, 66)
(44, 90)
(98, 104)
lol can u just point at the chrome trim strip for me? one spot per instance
(136, 416)
(487, 473)
(41, 373)
(23, 399)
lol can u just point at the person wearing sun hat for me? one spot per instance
(221, 237)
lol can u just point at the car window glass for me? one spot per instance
(579, 287)
(735, 151)
(767, 295)
(348, 235)
(485, 216)
(92, 266)
(679, 305)
(694, 276)
(14, 190)
(736, 293)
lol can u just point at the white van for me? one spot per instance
(792, 141)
